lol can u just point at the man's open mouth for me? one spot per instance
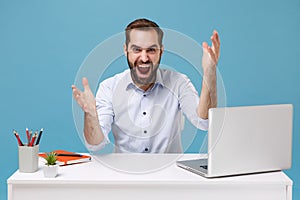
(144, 69)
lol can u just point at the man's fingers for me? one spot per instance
(83, 98)
(77, 95)
(215, 43)
(208, 50)
(74, 89)
(215, 39)
(212, 54)
(85, 83)
(216, 34)
(204, 45)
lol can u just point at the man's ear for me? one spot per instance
(162, 48)
(125, 50)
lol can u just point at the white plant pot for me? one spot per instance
(50, 171)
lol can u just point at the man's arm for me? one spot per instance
(86, 100)
(208, 96)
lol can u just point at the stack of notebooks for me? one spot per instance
(68, 158)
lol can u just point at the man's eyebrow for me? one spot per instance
(136, 46)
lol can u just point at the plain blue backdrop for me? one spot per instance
(43, 44)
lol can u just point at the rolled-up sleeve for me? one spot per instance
(189, 100)
(105, 112)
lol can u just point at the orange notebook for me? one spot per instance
(67, 157)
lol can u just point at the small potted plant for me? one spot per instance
(51, 167)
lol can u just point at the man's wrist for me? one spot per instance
(210, 77)
(210, 71)
(91, 112)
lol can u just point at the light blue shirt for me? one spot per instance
(146, 121)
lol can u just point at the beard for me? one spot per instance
(143, 73)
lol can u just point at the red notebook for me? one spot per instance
(67, 157)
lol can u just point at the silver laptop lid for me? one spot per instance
(249, 139)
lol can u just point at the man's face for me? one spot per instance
(143, 56)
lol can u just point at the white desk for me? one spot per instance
(95, 180)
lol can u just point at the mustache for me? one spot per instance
(138, 62)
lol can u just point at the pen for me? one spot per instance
(69, 154)
(33, 139)
(28, 136)
(39, 137)
(18, 138)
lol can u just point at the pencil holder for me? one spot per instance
(28, 158)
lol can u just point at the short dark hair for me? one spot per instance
(143, 24)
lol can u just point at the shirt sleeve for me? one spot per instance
(189, 100)
(105, 113)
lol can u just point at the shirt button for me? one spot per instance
(144, 113)
(145, 131)
(144, 95)
(146, 149)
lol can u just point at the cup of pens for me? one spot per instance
(29, 152)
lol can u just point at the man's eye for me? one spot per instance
(152, 50)
(136, 50)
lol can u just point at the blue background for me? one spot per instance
(43, 44)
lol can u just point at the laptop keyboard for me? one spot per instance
(204, 167)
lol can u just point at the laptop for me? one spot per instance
(245, 140)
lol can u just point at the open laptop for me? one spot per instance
(248, 139)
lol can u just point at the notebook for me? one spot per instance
(244, 140)
(67, 157)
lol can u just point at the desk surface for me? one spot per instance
(145, 176)
(140, 168)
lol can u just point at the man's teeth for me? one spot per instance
(144, 66)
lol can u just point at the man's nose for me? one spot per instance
(144, 56)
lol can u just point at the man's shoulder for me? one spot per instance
(171, 72)
(172, 75)
(115, 78)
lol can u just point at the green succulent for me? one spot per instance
(51, 158)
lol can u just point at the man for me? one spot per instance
(143, 105)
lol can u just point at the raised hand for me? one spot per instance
(211, 54)
(210, 57)
(85, 99)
